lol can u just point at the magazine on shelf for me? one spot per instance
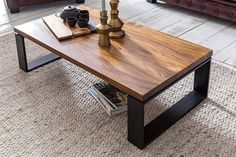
(110, 98)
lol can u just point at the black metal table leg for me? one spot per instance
(201, 79)
(22, 57)
(141, 135)
(136, 122)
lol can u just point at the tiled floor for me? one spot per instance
(217, 34)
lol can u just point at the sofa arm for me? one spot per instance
(13, 5)
(80, 1)
(151, 1)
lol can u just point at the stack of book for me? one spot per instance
(110, 98)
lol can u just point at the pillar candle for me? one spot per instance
(103, 5)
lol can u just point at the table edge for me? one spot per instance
(129, 91)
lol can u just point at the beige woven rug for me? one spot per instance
(49, 112)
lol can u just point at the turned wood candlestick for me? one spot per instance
(103, 29)
(115, 22)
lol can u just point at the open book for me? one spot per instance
(110, 98)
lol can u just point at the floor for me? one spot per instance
(214, 33)
(49, 112)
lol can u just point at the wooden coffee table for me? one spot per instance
(143, 64)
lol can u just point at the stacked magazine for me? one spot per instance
(110, 98)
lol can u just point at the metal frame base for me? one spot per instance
(141, 135)
(22, 57)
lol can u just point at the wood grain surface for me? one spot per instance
(141, 64)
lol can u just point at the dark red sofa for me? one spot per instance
(15, 5)
(225, 9)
